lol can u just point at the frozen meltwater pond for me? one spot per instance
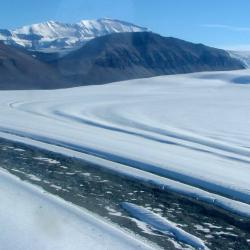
(103, 193)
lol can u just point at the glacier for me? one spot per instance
(185, 133)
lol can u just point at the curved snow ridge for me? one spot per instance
(71, 113)
(30, 217)
(163, 225)
(117, 116)
(129, 116)
(95, 116)
(132, 129)
(192, 130)
(195, 183)
(230, 205)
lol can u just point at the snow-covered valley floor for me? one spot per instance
(187, 133)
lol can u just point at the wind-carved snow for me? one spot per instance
(185, 133)
(55, 36)
(163, 225)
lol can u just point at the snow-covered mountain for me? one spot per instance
(110, 58)
(54, 36)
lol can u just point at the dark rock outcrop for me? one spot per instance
(19, 70)
(125, 56)
(115, 57)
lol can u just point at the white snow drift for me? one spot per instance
(163, 225)
(193, 129)
(31, 219)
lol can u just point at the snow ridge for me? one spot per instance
(163, 225)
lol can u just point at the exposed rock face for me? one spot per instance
(125, 56)
(19, 70)
(114, 57)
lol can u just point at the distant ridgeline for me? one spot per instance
(82, 54)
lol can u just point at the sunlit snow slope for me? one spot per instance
(31, 219)
(54, 36)
(193, 129)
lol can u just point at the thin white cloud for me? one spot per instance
(226, 27)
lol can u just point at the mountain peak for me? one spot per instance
(57, 36)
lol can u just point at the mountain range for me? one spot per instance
(123, 56)
(54, 55)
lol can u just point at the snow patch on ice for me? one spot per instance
(50, 161)
(163, 225)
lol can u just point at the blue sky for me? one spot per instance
(221, 23)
